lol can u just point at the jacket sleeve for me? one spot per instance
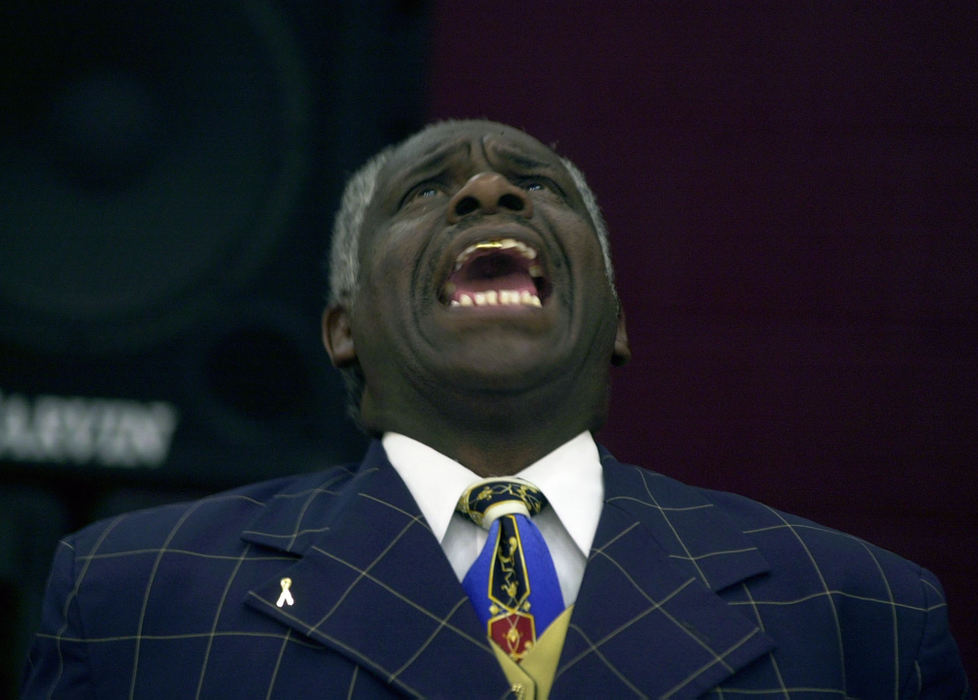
(57, 664)
(937, 672)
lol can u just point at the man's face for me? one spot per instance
(480, 271)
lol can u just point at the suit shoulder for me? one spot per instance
(211, 518)
(776, 529)
(790, 543)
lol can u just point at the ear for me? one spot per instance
(338, 336)
(622, 353)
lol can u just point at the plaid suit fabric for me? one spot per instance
(687, 593)
(832, 615)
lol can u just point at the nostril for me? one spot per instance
(512, 202)
(466, 205)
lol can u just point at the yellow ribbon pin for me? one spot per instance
(285, 597)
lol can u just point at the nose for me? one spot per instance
(488, 193)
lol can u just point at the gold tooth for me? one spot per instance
(504, 243)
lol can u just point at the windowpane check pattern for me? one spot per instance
(687, 593)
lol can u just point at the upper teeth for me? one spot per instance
(500, 244)
(502, 297)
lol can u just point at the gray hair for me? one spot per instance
(344, 261)
(344, 256)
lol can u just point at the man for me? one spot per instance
(474, 313)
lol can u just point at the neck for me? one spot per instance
(489, 455)
(496, 437)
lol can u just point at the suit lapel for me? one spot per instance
(372, 583)
(648, 619)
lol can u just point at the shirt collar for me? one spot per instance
(570, 477)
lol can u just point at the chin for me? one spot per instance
(502, 365)
(496, 381)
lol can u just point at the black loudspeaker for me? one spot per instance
(168, 177)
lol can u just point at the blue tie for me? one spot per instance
(512, 584)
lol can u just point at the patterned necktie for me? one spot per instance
(513, 583)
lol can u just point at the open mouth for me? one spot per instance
(497, 272)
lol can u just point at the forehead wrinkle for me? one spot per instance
(516, 154)
(436, 155)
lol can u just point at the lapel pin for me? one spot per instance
(285, 598)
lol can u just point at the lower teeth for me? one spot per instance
(506, 297)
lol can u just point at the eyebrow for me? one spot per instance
(434, 157)
(517, 156)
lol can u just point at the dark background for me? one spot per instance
(790, 188)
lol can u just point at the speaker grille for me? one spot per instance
(153, 154)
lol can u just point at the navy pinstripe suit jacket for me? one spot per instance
(687, 593)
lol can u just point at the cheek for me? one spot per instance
(580, 244)
(387, 260)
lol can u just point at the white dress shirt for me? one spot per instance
(570, 478)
